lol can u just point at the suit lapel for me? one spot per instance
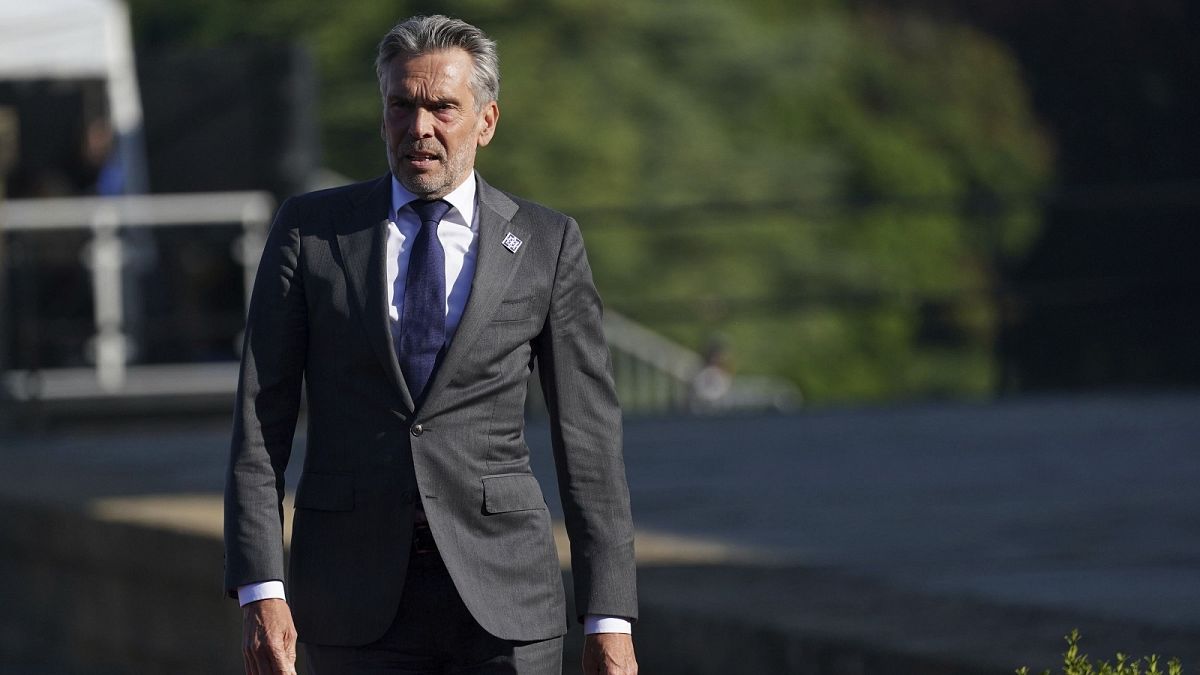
(495, 267)
(362, 241)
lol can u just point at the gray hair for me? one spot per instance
(424, 34)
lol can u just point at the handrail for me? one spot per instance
(64, 213)
(656, 375)
(653, 374)
(106, 217)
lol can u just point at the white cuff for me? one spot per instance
(592, 623)
(598, 623)
(260, 590)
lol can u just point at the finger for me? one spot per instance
(251, 661)
(291, 645)
(262, 659)
(281, 663)
(250, 644)
(289, 652)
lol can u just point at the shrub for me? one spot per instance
(1075, 663)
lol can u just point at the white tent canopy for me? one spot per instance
(62, 39)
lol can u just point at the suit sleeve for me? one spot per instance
(266, 408)
(585, 426)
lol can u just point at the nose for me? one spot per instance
(420, 124)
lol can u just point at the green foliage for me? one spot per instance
(801, 178)
(1075, 663)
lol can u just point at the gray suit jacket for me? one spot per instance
(318, 317)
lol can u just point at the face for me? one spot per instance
(430, 124)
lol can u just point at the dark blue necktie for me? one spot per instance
(423, 324)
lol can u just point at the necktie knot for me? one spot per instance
(430, 210)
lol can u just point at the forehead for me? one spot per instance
(444, 72)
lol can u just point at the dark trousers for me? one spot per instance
(435, 633)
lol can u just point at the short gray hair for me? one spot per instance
(425, 34)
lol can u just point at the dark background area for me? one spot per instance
(1109, 295)
(237, 117)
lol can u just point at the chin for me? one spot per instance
(419, 185)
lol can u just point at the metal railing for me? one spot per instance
(106, 257)
(653, 374)
(656, 375)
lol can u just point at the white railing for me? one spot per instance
(653, 374)
(106, 257)
(656, 375)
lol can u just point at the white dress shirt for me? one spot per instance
(458, 232)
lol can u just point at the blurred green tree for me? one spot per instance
(829, 189)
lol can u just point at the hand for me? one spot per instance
(609, 654)
(268, 638)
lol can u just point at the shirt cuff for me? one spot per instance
(260, 590)
(592, 623)
(598, 623)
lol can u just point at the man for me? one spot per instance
(412, 308)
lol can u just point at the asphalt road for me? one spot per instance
(1088, 504)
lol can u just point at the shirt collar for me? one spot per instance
(462, 198)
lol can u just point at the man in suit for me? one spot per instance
(412, 309)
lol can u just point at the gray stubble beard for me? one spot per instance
(427, 186)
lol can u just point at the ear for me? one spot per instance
(490, 115)
(383, 130)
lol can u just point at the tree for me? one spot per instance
(802, 178)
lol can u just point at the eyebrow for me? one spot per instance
(404, 98)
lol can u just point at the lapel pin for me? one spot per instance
(511, 242)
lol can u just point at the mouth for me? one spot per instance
(419, 159)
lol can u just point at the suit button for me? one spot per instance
(417, 430)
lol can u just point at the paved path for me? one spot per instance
(1086, 504)
(1089, 504)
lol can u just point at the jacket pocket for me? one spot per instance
(514, 310)
(507, 492)
(326, 492)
